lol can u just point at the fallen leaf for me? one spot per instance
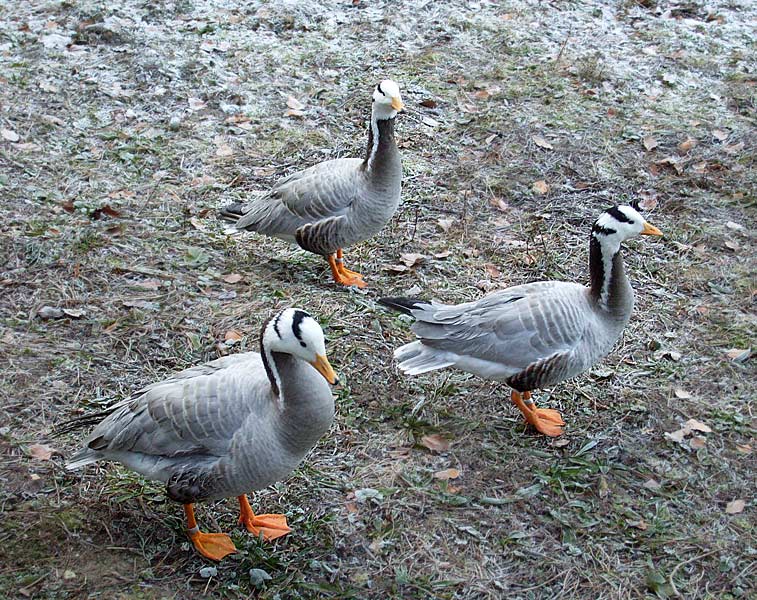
(640, 524)
(145, 304)
(499, 204)
(695, 425)
(442, 255)
(648, 200)
(677, 436)
(435, 442)
(9, 135)
(232, 335)
(49, 312)
(41, 451)
(430, 122)
(445, 224)
(396, 269)
(734, 507)
(224, 150)
(672, 161)
(293, 112)
(428, 103)
(109, 211)
(233, 278)
(734, 148)
(697, 442)
(734, 226)
(650, 143)
(492, 270)
(447, 474)
(149, 284)
(682, 394)
(652, 484)
(411, 259)
(720, 135)
(75, 313)
(738, 354)
(196, 104)
(687, 145)
(540, 187)
(560, 442)
(542, 143)
(294, 104)
(744, 448)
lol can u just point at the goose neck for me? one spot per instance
(381, 144)
(610, 288)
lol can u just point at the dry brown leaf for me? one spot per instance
(294, 104)
(677, 436)
(232, 335)
(540, 187)
(149, 284)
(293, 112)
(542, 143)
(447, 474)
(442, 255)
(412, 259)
(682, 394)
(744, 448)
(697, 442)
(435, 442)
(720, 135)
(734, 507)
(738, 354)
(695, 425)
(233, 278)
(687, 145)
(428, 103)
(9, 135)
(445, 224)
(74, 313)
(648, 200)
(196, 104)
(734, 148)
(41, 451)
(650, 143)
(224, 150)
(560, 442)
(499, 204)
(652, 484)
(492, 270)
(396, 269)
(640, 524)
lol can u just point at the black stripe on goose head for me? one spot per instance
(276, 324)
(597, 228)
(297, 318)
(378, 87)
(618, 215)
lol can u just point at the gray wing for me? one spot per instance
(197, 411)
(322, 192)
(517, 327)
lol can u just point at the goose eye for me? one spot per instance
(303, 344)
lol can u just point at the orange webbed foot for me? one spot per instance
(214, 546)
(356, 280)
(270, 526)
(544, 420)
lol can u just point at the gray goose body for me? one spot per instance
(533, 335)
(217, 430)
(230, 426)
(336, 203)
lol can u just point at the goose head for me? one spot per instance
(619, 223)
(386, 100)
(295, 332)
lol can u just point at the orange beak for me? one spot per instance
(650, 230)
(321, 364)
(397, 104)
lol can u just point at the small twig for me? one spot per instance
(562, 48)
(685, 562)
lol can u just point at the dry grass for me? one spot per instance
(109, 121)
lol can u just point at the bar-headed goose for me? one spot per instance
(227, 427)
(533, 335)
(339, 202)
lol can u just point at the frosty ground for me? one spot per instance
(124, 128)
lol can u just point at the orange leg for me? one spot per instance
(544, 420)
(343, 275)
(269, 526)
(211, 545)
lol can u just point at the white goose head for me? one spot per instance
(386, 100)
(618, 224)
(295, 332)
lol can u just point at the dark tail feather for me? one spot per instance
(80, 422)
(232, 212)
(404, 305)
